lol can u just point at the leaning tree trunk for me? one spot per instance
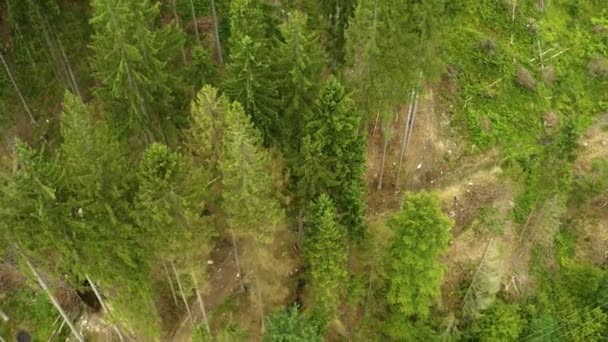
(260, 302)
(195, 19)
(384, 148)
(201, 303)
(405, 134)
(238, 263)
(171, 284)
(176, 16)
(181, 291)
(3, 316)
(218, 44)
(63, 314)
(105, 307)
(17, 90)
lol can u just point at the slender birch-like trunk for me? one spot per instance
(405, 134)
(177, 22)
(181, 291)
(17, 90)
(195, 20)
(384, 148)
(170, 284)
(54, 301)
(104, 307)
(218, 44)
(201, 303)
(238, 263)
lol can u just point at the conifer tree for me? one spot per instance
(421, 235)
(96, 190)
(130, 62)
(204, 138)
(246, 178)
(325, 251)
(249, 83)
(336, 14)
(333, 155)
(299, 60)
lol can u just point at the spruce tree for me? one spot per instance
(336, 15)
(421, 235)
(299, 61)
(130, 62)
(333, 155)
(325, 251)
(249, 83)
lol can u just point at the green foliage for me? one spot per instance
(298, 60)
(130, 62)
(246, 178)
(421, 237)
(590, 184)
(325, 251)
(502, 322)
(333, 156)
(287, 326)
(401, 328)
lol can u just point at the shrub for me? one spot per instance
(525, 78)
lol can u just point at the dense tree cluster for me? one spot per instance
(199, 169)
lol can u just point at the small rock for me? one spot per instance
(585, 144)
(209, 262)
(419, 167)
(470, 184)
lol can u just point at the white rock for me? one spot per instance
(209, 262)
(419, 167)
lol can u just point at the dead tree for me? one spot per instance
(170, 284)
(405, 135)
(195, 20)
(238, 262)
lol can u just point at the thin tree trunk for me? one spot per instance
(260, 302)
(195, 19)
(64, 315)
(104, 307)
(181, 291)
(4, 316)
(238, 263)
(383, 158)
(414, 111)
(218, 44)
(405, 134)
(376, 123)
(10, 76)
(170, 284)
(483, 258)
(201, 303)
(301, 228)
(178, 25)
(69, 67)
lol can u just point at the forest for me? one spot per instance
(304, 170)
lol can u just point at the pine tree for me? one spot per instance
(299, 60)
(325, 251)
(130, 62)
(336, 15)
(333, 155)
(421, 235)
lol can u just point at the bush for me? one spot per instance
(525, 78)
(598, 67)
(549, 75)
(502, 322)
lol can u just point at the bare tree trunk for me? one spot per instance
(483, 258)
(405, 134)
(3, 316)
(105, 307)
(195, 19)
(218, 44)
(260, 302)
(409, 134)
(10, 76)
(238, 263)
(201, 303)
(69, 67)
(64, 315)
(383, 158)
(181, 291)
(178, 25)
(301, 227)
(171, 284)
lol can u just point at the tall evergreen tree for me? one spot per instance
(249, 83)
(97, 189)
(336, 15)
(246, 178)
(333, 155)
(130, 62)
(299, 60)
(421, 235)
(325, 251)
